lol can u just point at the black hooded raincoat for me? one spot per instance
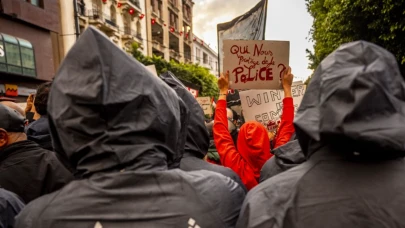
(120, 126)
(285, 157)
(351, 127)
(197, 141)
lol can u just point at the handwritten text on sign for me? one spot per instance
(206, 105)
(255, 64)
(266, 105)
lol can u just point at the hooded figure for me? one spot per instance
(351, 128)
(197, 141)
(121, 127)
(253, 145)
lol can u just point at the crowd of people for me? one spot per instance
(108, 144)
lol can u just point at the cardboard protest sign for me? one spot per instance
(267, 105)
(255, 64)
(206, 105)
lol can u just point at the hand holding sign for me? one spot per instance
(287, 81)
(223, 83)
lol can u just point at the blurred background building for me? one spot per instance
(30, 50)
(205, 55)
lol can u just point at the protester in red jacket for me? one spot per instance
(253, 140)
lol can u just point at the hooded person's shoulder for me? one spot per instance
(285, 157)
(222, 195)
(266, 204)
(202, 190)
(31, 215)
(193, 164)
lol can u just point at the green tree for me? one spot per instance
(193, 73)
(340, 21)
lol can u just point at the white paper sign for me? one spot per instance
(24, 91)
(205, 103)
(266, 105)
(152, 69)
(255, 64)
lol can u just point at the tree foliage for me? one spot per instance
(340, 21)
(193, 73)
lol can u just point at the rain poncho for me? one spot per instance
(285, 157)
(351, 127)
(197, 142)
(121, 126)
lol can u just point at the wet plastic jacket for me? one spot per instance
(121, 127)
(351, 127)
(31, 171)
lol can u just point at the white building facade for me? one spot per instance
(123, 21)
(205, 56)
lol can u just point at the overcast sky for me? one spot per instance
(286, 20)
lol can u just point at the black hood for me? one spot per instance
(289, 155)
(108, 112)
(197, 141)
(355, 103)
(38, 131)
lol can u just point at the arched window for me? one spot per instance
(127, 23)
(96, 4)
(138, 29)
(113, 14)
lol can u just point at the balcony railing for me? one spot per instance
(129, 32)
(110, 21)
(157, 13)
(174, 5)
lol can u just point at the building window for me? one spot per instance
(38, 3)
(173, 20)
(113, 14)
(205, 58)
(16, 56)
(197, 54)
(138, 29)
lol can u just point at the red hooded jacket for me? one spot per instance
(253, 142)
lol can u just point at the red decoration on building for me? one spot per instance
(131, 11)
(105, 1)
(181, 33)
(141, 16)
(164, 25)
(186, 35)
(195, 39)
(119, 4)
(171, 29)
(153, 21)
